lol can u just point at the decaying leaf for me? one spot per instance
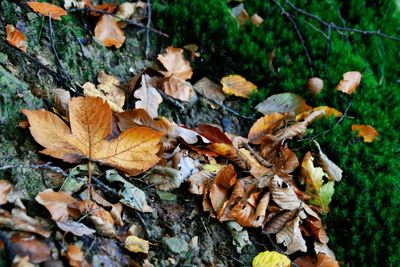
(240, 236)
(238, 86)
(282, 103)
(133, 151)
(321, 193)
(107, 89)
(367, 132)
(283, 194)
(19, 220)
(56, 203)
(46, 9)
(76, 228)
(351, 80)
(265, 125)
(129, 10)
(149, 98)
(5, 189)
(21, 262)
(327, 112)
(199, 181)
(279, 221)
(291, 237)
(315, 85)
(271, 258)
(209, 89)
(136, 244)
(16, 38)
(330, 168)
(164, 178)
(75, 256)
(108, 32)
(24, 244)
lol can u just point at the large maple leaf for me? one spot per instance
(133, 151)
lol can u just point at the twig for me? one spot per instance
(104, 187)
(257, 156)
(172, 100)
(130, 22)
(79, 43)
(296, 28)
(147, 50)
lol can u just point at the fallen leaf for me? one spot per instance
(21, 262)
(56, 203)
(210, 90)
(291, 237)
(283, 194)
(163, 178)
(265, 125)
(330, 168)
(282, 103)
(107, 89)
(129, 10)
(149, 98)
(24, 244)
(108, 32)
(327, 112)
(351, 80)
(240, 14)
(237, 85)
(75, 3)
(136, 244)
(20, 221)
(199, 181)
(315, 85)
(326, 261)
(256, 20)
(279, 221)
(16, 38)
(5, 189)
(46, 9)
(140, 117)
(367, 132)
(321, 193)
(76, 228)
(61, 98)
(75, 256)
(306, 261)
(271, 259)
(133, 151)
(193, 50)
(321, 248)
(240, 236)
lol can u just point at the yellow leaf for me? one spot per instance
(133, 151)
(136, 244)
(365, 131)
(108, 32)
(351, 80)
(47, 9)
(327, 112)
(271, 259)
(107, 89)
(238, 86)
(265, 125)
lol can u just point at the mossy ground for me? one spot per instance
(362, 223)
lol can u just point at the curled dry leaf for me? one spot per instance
(271, 258)
(56, 203)
(61, 98)
(279, 221)
(265, 125)
(351, 80)
(21, 262)
(149, 98)
(199, 181)
(24, 244)
(210, 90)
(133, 151)
(131, 10)
(75, 256)
(282, 103)
(164, 178)
(136, 244)
(5, 189)
(315, 85)
(16, 38)
(108, 32)
(367, 132)
(238, 86)
(256, 20)
(46, 9)
(76, 228)
(327, 112)
(291, 237)
(20, 221)
(330, 168)
(103, 7)
(283, 194)
(107, 89)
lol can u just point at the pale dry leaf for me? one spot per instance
(76, 228)
(367, 132)
(18, 220)
(56, 203)
(321, 248)
(129, 10)
(133, 151)
(16, 38)
(164, 178)
(61, 99)
(149, 98)
(74, 3)
(107, 89)
(282, 103)
(315, 85)
(175, 63)
(291, 237)
(240, 236)
(349, 83)
(136, 244)
(210, 90)
(283, 194)
(198, 182)
(46, 9)
(328, 112)
(5, 189)
(240, 13)
(21, 262)
(238, 86)
(330, 168)
(177, 88)
(108, 32)
(256, 20)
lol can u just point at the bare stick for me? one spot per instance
(147, 50)
(257, 156)
(172, 100)
(89, 196)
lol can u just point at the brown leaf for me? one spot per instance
(149, 98)
(107, 89)
(291, 237)
(327, 112)
(330, 168)
(133, 151)
(367, 132)
(20, 221)
(213, 134)
(5, 188)
(61, 98)
(163, 178)
(103, 7)
(279, 221)
(108, 32)
(175, 63)
(240, 14)
(131, 10)
(16, 38)
(351, 80)
(46, 9)
(198, 182)
(238, 86)
(24, 244)
(326, 261)
(210, 90)
(283, 194)
(56, 203)
(282, 103)
(140, 117)
(256, 20)
(265, 125)
(315, 85)
(306, 261)
(75, 256)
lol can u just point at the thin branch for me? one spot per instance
(130, 22)
(172, 100)
(147, 50)
(257, 156)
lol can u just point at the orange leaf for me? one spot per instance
(365, 131)
(326, 261)
(104, 7)
(46, 9)
(351, 80)
(5, 189)
(265, 125)
(327, 112)
(108, 32)
(133, 151)
(16, 38)
(175, 63)
(238, 86)
(75, 256)
(24, 244)
(56, 203)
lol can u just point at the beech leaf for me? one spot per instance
(16, 38)
(210, 90)
(76, 228)
(283, 194)
(367, 132)
(238, 86)
(265, 125)
(149, 98)
(46, 9)
(108, 32)
(351, 80)
(282, 103)
(291, 237)
(5, 189)
(56, 203)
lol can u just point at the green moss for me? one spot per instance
(362, 224)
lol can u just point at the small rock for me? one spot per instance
(175, 244)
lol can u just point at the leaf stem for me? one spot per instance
(89, 194)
